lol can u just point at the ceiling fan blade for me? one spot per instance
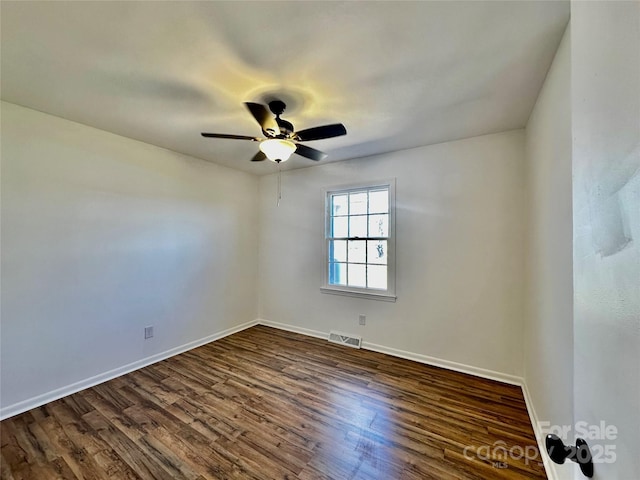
(233, 137)
(318, 133)
(259, 157)
(263, 117)
(310, 153)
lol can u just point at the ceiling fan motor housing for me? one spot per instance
(277, 107)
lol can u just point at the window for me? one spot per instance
(360, 241)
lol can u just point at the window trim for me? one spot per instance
(388, 295)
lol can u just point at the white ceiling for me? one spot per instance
(397, 74)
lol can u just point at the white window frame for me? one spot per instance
(388, 295)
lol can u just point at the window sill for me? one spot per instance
(384, 297)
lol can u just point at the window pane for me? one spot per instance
(357, 251)
(355, 218)
(337, 250)
(357, 275)
(378, 225)
(339, 205)
(379, 201)
(358, 226)
(377, 251)
(357, 203)
(337, 273)
(376, 276)
(339, 227)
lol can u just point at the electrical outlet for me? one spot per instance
(362, 319)
(148, 332)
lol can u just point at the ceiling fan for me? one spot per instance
(280, 139)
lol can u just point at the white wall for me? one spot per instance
(459, 252)
(548, 332)
(605, 50)
(103, 235)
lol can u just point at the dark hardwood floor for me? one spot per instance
(268, 404)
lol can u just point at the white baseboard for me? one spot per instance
(549, 466)
(417, 357)
(292, 328)
(447, 364)
(39, 400)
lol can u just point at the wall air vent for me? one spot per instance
(347, 339)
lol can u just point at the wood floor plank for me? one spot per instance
(268, 404)
(74, 455)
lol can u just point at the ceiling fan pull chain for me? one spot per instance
(279, 184)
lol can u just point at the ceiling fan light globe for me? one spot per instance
(277, 149)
